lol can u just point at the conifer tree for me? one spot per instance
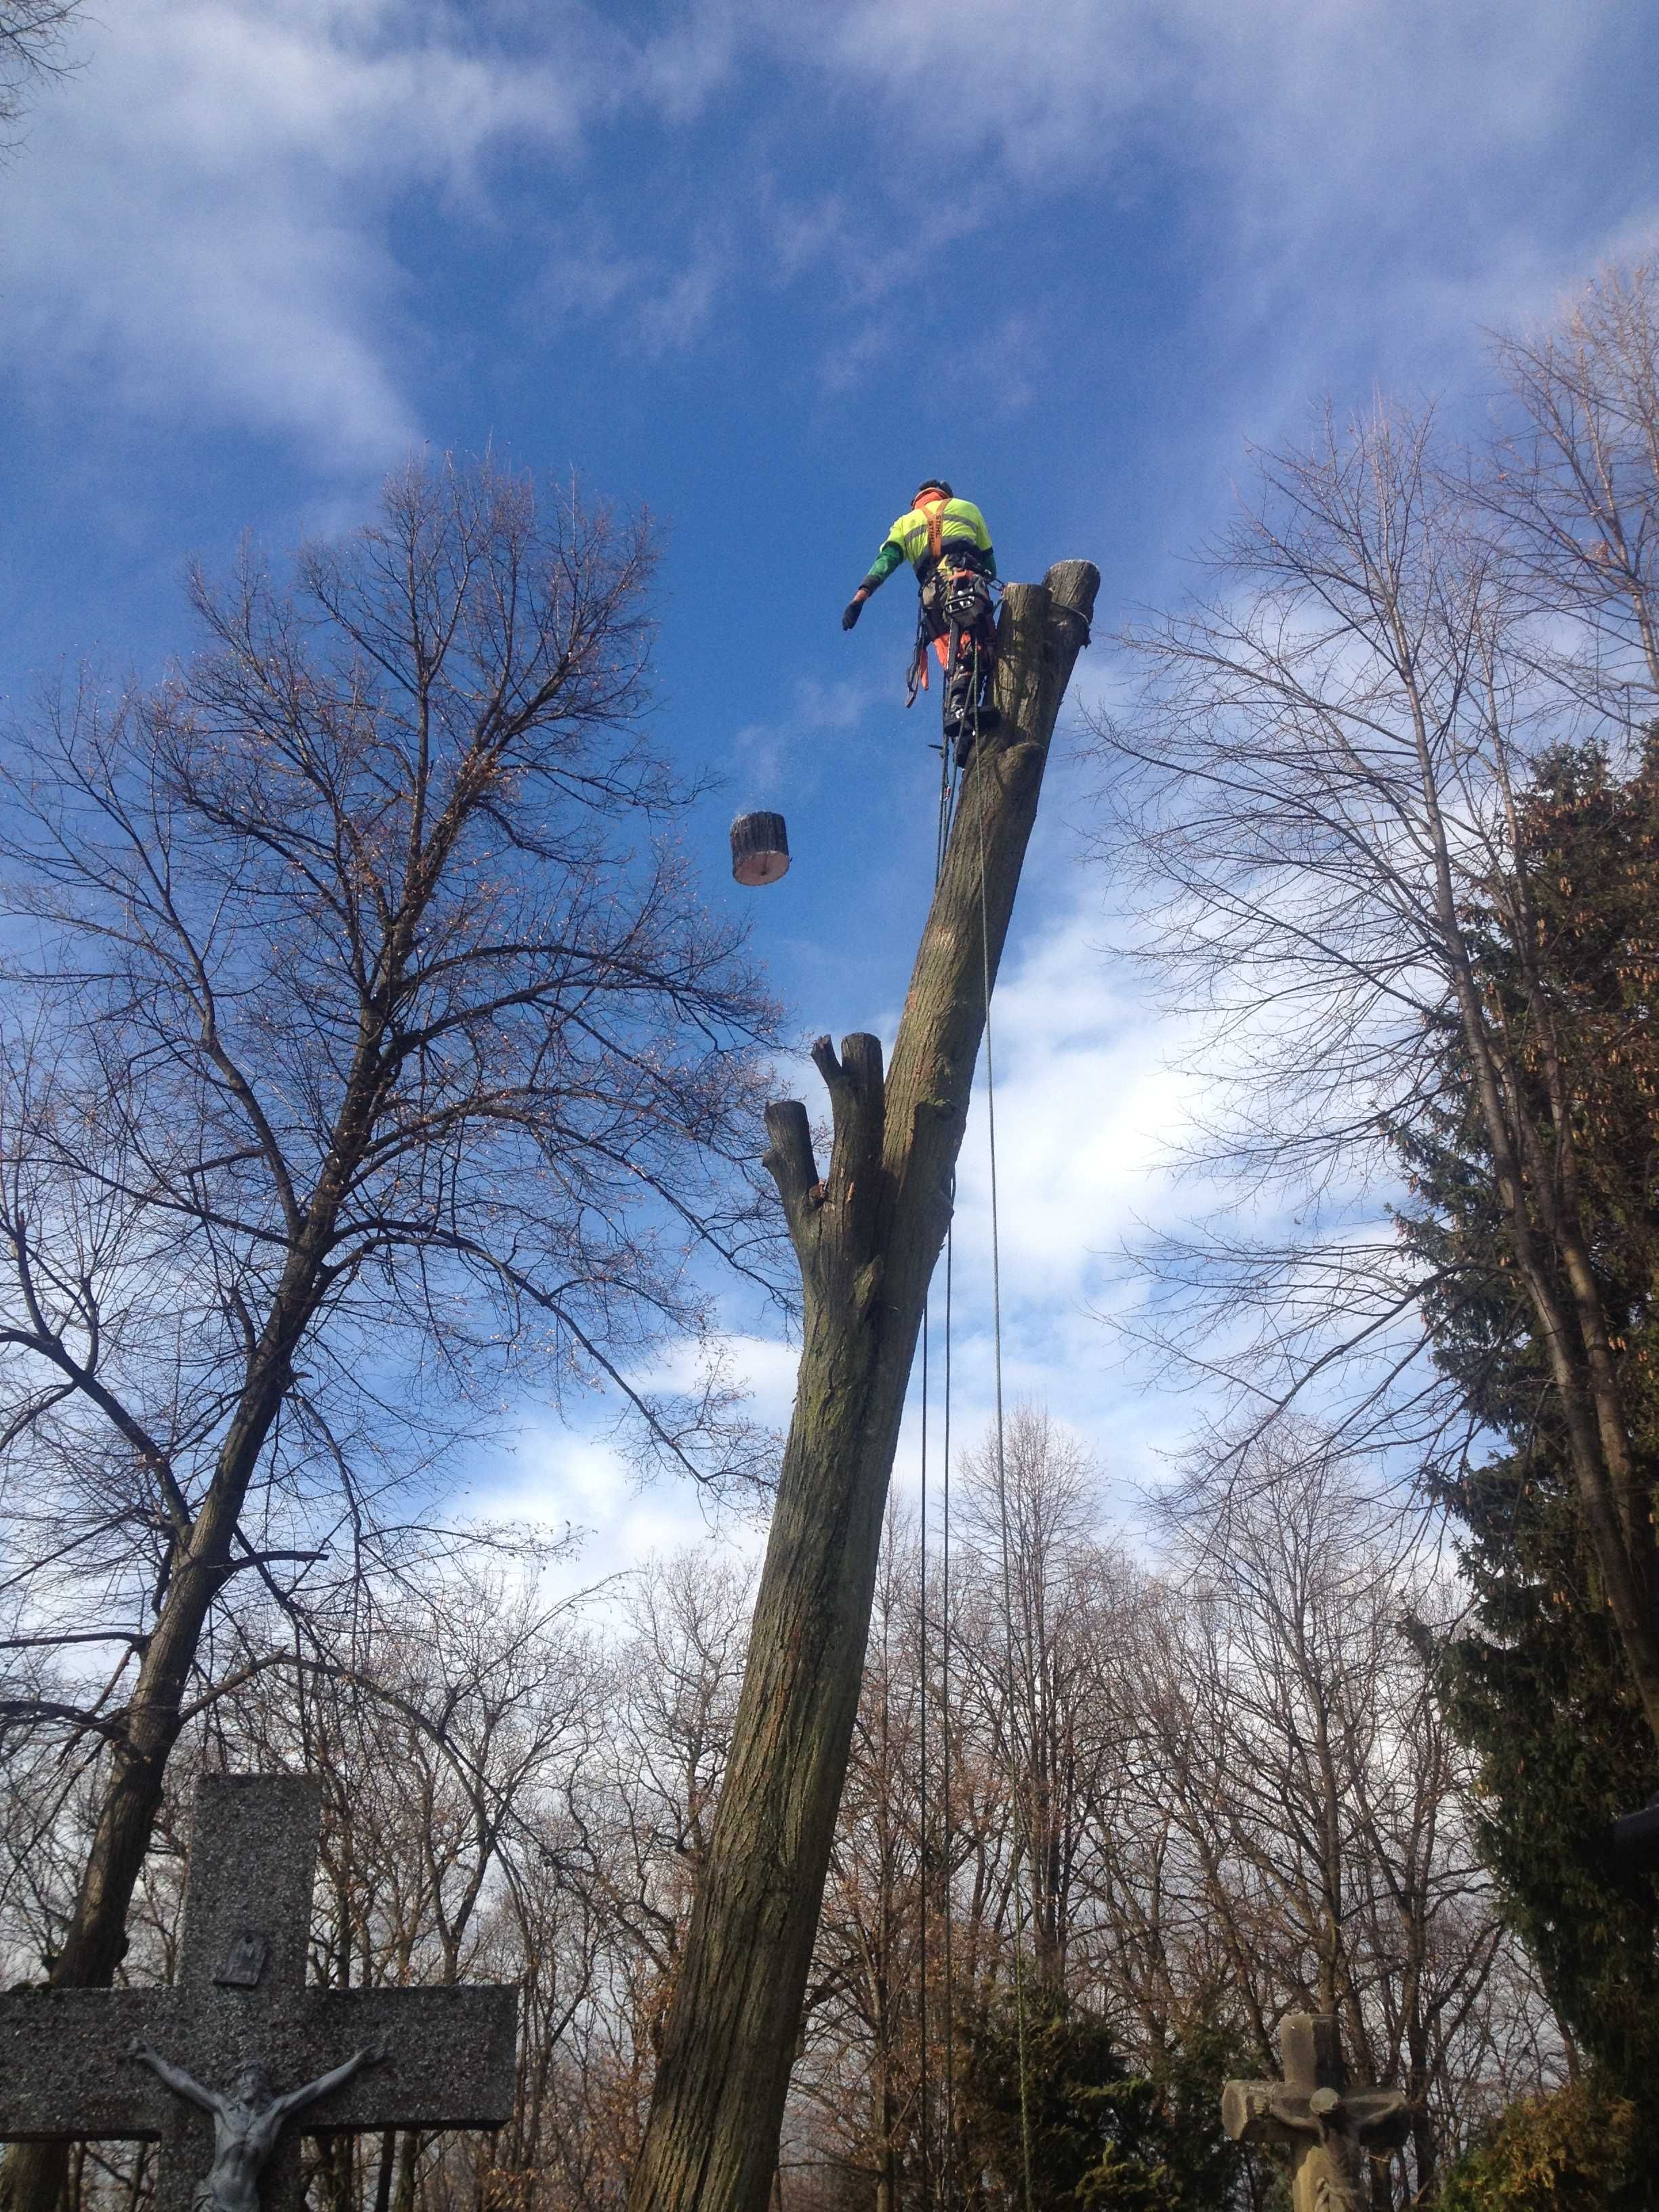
(1535, 1681)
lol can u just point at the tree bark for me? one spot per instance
(34, 2174)
(867, 1236)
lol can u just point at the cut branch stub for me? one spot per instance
(832, 1220)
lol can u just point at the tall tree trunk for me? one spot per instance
(34, 2174)
(867, 1236)
(94, 1943)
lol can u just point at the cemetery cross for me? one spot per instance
(201, 2067)
(1330, 2129)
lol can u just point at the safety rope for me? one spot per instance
(949, 783)
(946, 802)
(1002, 1513)
(947, 792)
(922, 2085)
(950, 2192)
(946, 796)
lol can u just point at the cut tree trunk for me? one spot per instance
(867, 1236)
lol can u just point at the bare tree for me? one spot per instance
(1573, 480)
(1319, 794)
(32, 48)
(675, 1694)
(1342, 1801)
(866, 1235)
(369, 1051)
(1296, 1827)
(1029, 1504)
(1257, 1803)
(1239, 1796)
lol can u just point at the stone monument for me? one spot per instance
(1330, 2129)
(193, 2067)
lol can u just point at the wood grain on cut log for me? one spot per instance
(760, 849)
(866, 1235)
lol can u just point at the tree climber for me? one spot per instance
(945, 541)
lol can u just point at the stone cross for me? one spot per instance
(425, 2057)
(1328, 2129)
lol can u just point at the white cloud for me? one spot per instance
(202, 225)
(555, 1477)
(559, 1475)
(785, 757)
(1382, 174)
(1378, 97)
(1089, 1107)
(762, 1367)
(200, 222)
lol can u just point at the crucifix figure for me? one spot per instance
(247, 2118)
(241, 2012)
(1330, 2129)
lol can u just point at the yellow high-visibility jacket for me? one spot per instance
(960, 523)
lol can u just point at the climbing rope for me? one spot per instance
(1002, 1514)
(949, 783)
(947, 793)
(921, 2090)
(947, 800)
(950, 2192)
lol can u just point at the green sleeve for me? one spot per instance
(891, 556)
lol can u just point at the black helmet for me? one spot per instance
(933, 484)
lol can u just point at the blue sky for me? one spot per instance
(759, 267)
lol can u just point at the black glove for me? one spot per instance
(853, 610)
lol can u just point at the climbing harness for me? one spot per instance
(956, 621)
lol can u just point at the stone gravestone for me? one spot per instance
(1328, 2129)
(211, 2068)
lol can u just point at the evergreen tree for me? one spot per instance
(1578, 2150)
(1100, 2137)
(1534, 1681)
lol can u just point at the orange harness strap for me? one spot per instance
(933, 510)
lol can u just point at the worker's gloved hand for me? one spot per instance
(854, 608)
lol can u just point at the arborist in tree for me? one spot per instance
(945, 541)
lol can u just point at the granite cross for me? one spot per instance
(1328, 2129)
(70, 2059)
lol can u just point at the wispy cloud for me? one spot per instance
(204, 225)
(574, 1474)
(201, 225)
(1396, 167)
(787, 756)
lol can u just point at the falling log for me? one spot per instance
(867, 1236)
(760, 849)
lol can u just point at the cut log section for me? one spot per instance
(760, 849)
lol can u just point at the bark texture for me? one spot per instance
(866, 1235)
